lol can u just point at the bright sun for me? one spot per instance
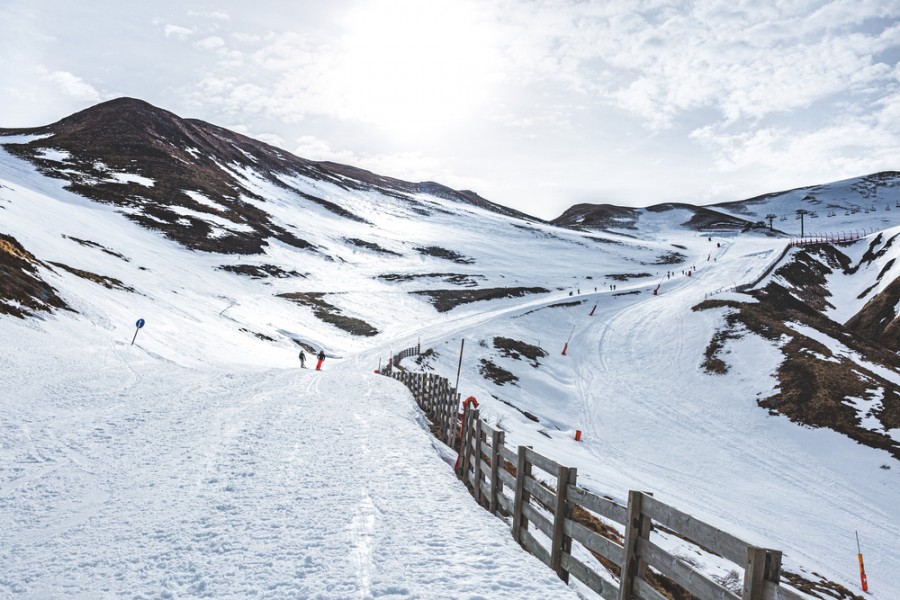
(414, 67)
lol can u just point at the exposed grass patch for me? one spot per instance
(439, 252)
(627, 276)
(446, 300)
(110, 283)
(516, 349)
(814, 384)
(498, 375)
(22, 291)
(452, 278)
(331, 314)
(371, 246)
(261, 336)
(102, 248)
(260, 271)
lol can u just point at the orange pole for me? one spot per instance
(862, 568)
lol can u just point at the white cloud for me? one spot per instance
(218, 15)
(73, 86)
(177, 31)
(212, 42)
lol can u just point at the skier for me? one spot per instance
(321, 357)
(302, 359)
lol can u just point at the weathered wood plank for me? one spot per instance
(541, 494)
(592, 540)
(485, 468)
(681, 573)
(505, 502)
(589, 577)
(508, 455)
(539, 520)
(645, 591)
(754, 574)
(633, 566)
(773, 591)
(560, 542)
(703, 534)
(507, 479)
(543, 463)
(478, 425)
(496, 444)
(532, 545)
(523, 472)
(594, 503)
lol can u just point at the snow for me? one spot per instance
(201, 461)
(132, 178)
(152, 480)
(53, 154)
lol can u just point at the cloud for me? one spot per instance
(177, 31)
(218, 15)
(407, 166)
(73, 86)
(212, 42)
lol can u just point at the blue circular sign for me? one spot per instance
(140, 323)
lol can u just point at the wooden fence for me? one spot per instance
(549, 514)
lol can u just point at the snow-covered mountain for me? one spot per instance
(773, 413)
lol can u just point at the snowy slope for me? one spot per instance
(202, 461)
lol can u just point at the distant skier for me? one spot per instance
(302, 359)
(321, 357)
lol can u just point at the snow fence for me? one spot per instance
(611, 548)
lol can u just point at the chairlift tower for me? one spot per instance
(800, 213)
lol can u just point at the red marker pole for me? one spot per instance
(566, 345)
(862, 568)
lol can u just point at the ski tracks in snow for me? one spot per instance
(154, 481)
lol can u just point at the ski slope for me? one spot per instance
(151, 480)
(202, 462)
(652, 420)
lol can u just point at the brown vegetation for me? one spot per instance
(446, 300)
(22, 291)
(330, 313)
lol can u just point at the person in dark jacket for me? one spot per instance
(321, 357)
(302, 359)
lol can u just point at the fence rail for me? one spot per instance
(549, 514)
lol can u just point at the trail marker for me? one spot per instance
(577, 435)
(862, 567)
(566, 345)
(139, 325)
(462, 345)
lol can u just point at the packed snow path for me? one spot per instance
(132, 476)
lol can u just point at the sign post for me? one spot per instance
(139, 325)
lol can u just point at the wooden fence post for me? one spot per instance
(471, 419)
(496, 461)
(478, 434)
(561, 542)
(754, 574)
(638, 526)
(523, 471)
(464, 425)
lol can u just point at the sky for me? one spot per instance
(534, 104)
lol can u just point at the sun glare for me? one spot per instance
(414, 67)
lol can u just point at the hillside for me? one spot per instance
(155, 467)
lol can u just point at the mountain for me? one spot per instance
(861, 203)
(199, 184)
(746, 378)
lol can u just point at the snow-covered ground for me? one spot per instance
(201, 461)
(123, 474)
